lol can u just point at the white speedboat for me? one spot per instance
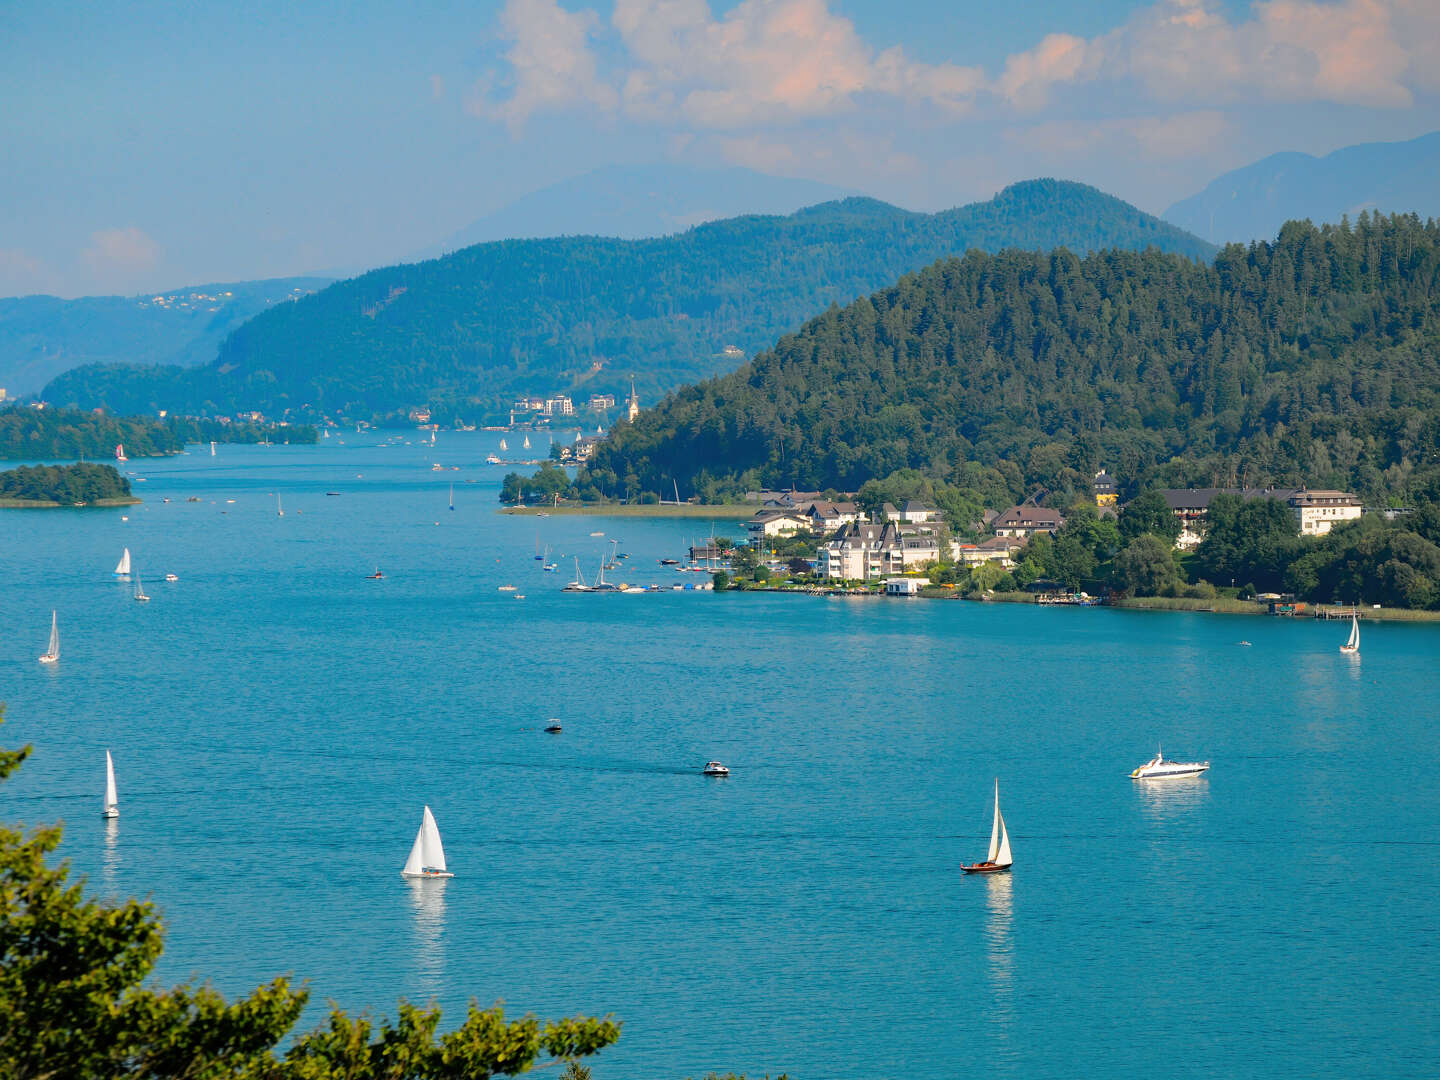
(714, 768)
(1159, 769)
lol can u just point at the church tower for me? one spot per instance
(634, 408)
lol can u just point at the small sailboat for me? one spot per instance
(120, 452)
(427, 855)
(212, 444)
(112, 801)
(279, 507)
(504, 445)
(376, 576)
(452, 496)
(527, 442)
(52, 652)
(998, 857)
(122, 568)
(140, 589)
(1352, 645)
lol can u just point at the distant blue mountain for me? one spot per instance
(41, 336)
(1252, 203)
(632, 202)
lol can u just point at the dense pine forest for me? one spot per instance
(35, 434)
(1311, 360)
(68, 485)
(467, 333)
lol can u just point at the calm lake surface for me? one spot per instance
(278, 722)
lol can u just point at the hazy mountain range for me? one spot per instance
(41, 336)
(467, 333)
(1252, 203)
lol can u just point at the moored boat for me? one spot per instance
(1157, 768)
(997, 858)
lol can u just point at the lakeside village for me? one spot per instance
(828, 543)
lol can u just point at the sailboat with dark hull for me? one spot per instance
(998, 857)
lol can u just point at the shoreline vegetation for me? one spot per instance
(57, 486)
(28, 434)
(727, 511)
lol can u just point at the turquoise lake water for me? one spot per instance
(278, 722)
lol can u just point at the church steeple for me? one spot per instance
(634, 408)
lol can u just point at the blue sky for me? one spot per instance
(160, 144)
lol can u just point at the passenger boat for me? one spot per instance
(427, 854)
(1157, 768)
(714, 768)
(997, 858)
(1352, 646)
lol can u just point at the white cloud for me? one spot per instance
(551, 62)
(121, 252)
(1350, 52)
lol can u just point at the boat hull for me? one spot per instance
(111, 813)
(1186, 775)
(985, 868)
(428, 874)
(48, 659)
(1349, 650)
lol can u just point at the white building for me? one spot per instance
(1320, 511)
(860, 552)
(905, 586)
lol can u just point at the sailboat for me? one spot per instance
(452, 496)
(140, 589)
(52, 654)
(112, 801)
(998, 857)
(120, 452)
(122, 568)
(527, 442)
(212, 447)
(578, 585)
(504, 445)
(427, 855)
(279, 509)
(1352, 646)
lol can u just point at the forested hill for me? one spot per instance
(1315, 360)
(466, 333)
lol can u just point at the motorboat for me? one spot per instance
(553, 727)
(376, 576)
(172, 577)
(505, 588)
(1157, 768)
(714, 768)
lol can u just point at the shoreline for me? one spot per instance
(47, 504)
(728, 511)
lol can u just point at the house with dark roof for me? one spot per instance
(1025, 521)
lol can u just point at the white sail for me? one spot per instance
(427, 855)
(415, 862)
(503, 445)
(53, 652)
(999, 853)
(527, 442)
(1354, 643)
(123, 566)
(212, 444)
(112, 800)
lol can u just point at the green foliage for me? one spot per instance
(548, 481)
(65, 484)
(721, 580)
(1370, 562)
(1315, 359)
(29, 434)
(73, 1003)
(1249, 542)
(1149, 513)
(467, 332)
(1146, 567)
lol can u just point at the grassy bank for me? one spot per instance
(1249, 607)
(43, 504)
(728, 511)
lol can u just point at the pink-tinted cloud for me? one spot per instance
(121, 252)
(551, 62)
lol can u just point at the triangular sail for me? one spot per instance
(123, 566)
(432, 852)
(54, 649)
(112, 800)
(999, 852)
(415, 863)
(1354, 642)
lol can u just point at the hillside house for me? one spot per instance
(1025, 521)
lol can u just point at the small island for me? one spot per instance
(43, 486)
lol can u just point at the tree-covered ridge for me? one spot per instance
(68, 485)
(1313, 360)
(32, 434)
(466, 333)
